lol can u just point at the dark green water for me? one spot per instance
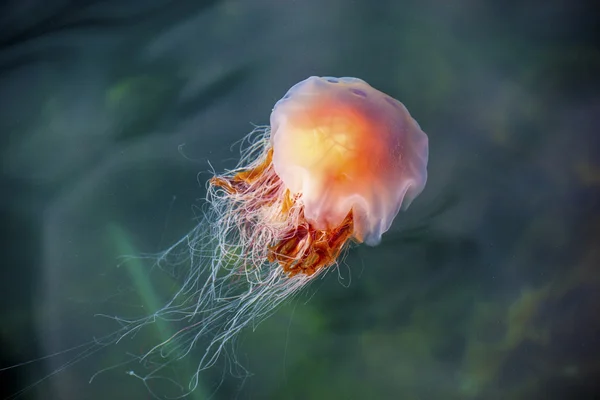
(486, 288)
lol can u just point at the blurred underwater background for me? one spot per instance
(113, 113)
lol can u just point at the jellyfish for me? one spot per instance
(335, 166)
(337, 163)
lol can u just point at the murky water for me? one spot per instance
(113, 114)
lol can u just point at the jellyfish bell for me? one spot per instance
(344, 146)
